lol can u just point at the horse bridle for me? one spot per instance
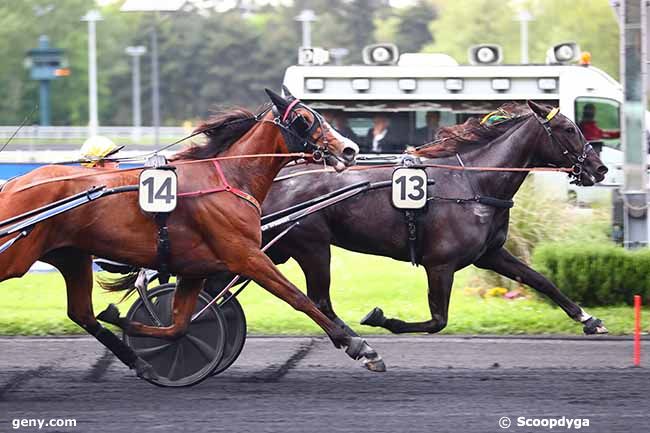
(298, 134)
(576, 159)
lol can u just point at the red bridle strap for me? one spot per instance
(285, 116)
(225, 186)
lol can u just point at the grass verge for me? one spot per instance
(36, 303)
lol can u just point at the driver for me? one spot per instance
(96, 149)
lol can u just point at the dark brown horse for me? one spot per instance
(453, 234)
(209, 233)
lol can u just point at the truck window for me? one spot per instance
(383, 127)
(599, 120)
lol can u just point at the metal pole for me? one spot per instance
(306, 17)
(524, 18)
(633, 136)
(136, 53)
(92, 17)
(155, 95)
(306, 34)
(44, 100)
(137, 116)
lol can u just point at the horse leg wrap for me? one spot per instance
(123, 352)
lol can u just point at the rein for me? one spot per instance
(426, 165)
(99, 172)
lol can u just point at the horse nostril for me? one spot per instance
(349, 154)
(602, 170)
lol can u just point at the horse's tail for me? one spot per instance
(118, 284)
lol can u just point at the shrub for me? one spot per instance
(595, 274)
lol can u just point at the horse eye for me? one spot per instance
(571, 130)
(301, 125)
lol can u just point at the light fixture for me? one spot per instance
(563, 53)
(380, 54)
(501, 84)
(485, 54)
(314, 84)
(361, 84)
(547, 84)
(407, 84)
(454, 84)
(313, 56)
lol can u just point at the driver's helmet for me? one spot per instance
(97, 148)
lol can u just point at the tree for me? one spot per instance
(591, 24)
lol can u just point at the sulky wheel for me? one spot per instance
(189, 359)
(235, 321)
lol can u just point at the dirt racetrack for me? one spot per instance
(286, 384)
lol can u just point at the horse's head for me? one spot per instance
(567, 147)
(303, 128)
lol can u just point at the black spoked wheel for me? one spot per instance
(191, 358)
(235, 320)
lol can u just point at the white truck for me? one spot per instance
(415, 93)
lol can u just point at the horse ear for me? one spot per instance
(277, 100)
(538, 109)
(287, 93)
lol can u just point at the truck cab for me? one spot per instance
(399, 101)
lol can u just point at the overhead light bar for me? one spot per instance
(407, 84)
(547, 84)
(454, 84)
(314, 84)
(361, 84)
(501, 84)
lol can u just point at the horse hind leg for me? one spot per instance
(184, 303)
(76, 268)
(440, 279)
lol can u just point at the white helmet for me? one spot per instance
(97, 148)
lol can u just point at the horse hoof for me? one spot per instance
(594, 326)
(110, 315)
(376, 365)
(144, 370)
(374, 318)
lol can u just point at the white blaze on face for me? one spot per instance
(347, 143)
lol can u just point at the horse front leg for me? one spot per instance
(440, 279)
(259, 267)
(504, 263)
(183, 305)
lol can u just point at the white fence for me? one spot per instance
(80, 133)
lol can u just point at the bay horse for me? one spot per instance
(209, 232)
(455, 230)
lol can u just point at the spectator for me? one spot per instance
(380, 138)
(428, 132)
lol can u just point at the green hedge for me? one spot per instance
(595, 274)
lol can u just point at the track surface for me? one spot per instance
(433, 384)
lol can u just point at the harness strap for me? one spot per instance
(224, 187)
(289, 108)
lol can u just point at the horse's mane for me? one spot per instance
(222, 130)
(459, 138)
